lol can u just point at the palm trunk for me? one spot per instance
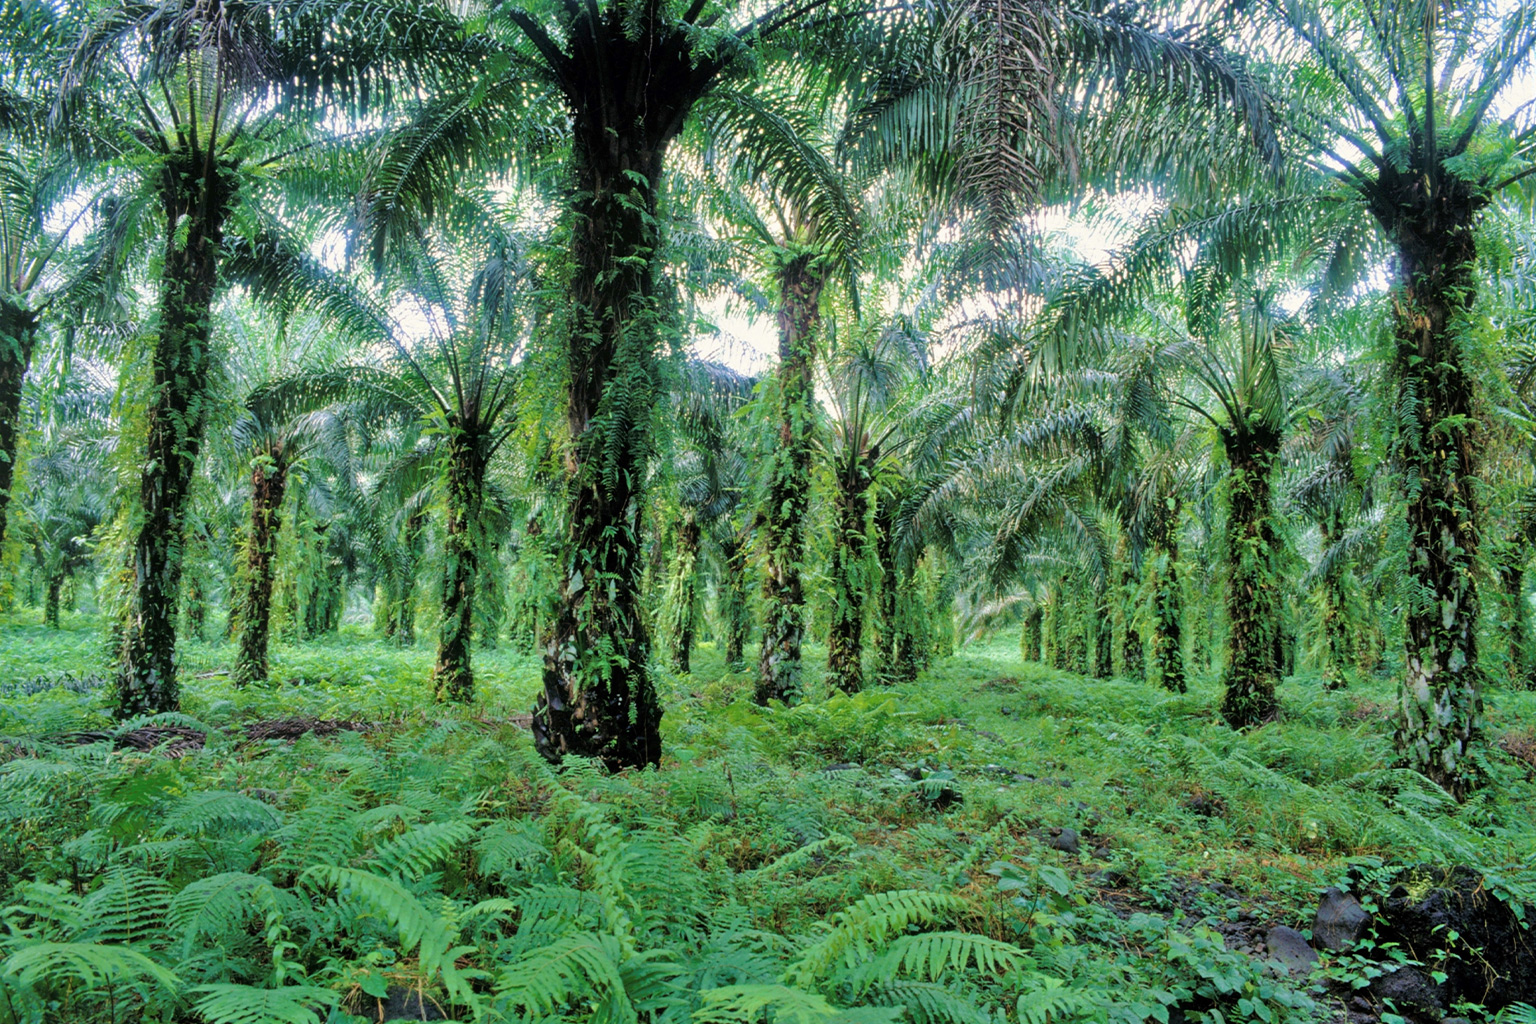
(630, 82)
(682, 596)
(890, 587)
(801, 281)
(1516, 619)
(1166, 594)
(402, 589)
(51, 602)
(197, 607)
(1441, 703)
(197, 192)
(733, 599)
(1253, 585)
(269, 480)
(453, 677)
(845, 640)
(18, 334)
(1030, 636)
(1338, 632)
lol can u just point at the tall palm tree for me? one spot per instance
(203, 103)
(464, 306)
(1398, 110)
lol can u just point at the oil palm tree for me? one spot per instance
(1409, 133)
(463, 306)
(203, 106)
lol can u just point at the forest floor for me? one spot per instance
(1139, 850)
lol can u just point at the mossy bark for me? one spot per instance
(630, 75)
(1437, 441)
(683, 594)
(269, 480)
(196, 193)
(1515, 619)
(1253, 583)
(1030, 639)
(801, 281)
(735, 614)
(845, 638)
(51, 600)
(1166, 594)
(453, 677)
(18, 336)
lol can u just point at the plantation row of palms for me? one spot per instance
(363, 288)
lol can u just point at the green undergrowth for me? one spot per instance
(901, 855)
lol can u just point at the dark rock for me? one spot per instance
(1493, 959)
(403, 1004)
(1413, 993)
(1065, 840)
(1289, 947)
(1340, 921)
(1108, 878)
(1004, 709)
(1457, 1020)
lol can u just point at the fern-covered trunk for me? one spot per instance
(630, 78)
(801, 281)
(845, 640)
(453, 677)
(1516, 617)
(682, 594)
(1437, 438)
(18, 335)
(1253, 582)
(51, 601)
(196, 192)
(1338, 631)
(269, 480)
(734, 612)
(1030, 646)
(1164, 591)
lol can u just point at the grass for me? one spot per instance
(779, 819)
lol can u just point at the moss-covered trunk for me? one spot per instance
(683, 594)
(18, 335)
(453, 676)
(1030, 635)
(1166, 596)
(269, 480)
(1437, 438)
(734, 612)
(196, 194)
(51, 600)
(1516, 617)
(1253, 581)
(845, 638)
(801, 280)
(630, 78)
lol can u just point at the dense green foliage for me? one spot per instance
(722, 388)
(813, 862)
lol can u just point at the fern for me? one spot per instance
(1051, 1001)
(218, 906)
(930, 954)
(129, 906)
(414, 853)
(214, 810)
(749, 1003)
(797, 859)
(91, 965)
(584, 966)
(248, 1004)
(855, 933)
(927, 1002)
(1518, 1013)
